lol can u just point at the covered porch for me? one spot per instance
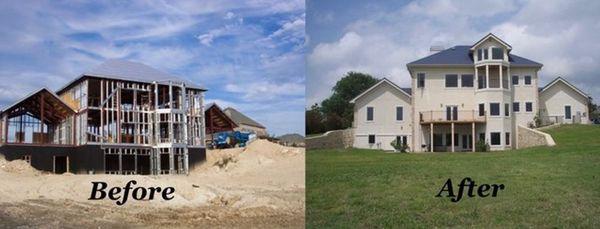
(217, 121)
(451, 130)
(40, 118)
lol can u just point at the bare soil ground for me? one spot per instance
(259, 186)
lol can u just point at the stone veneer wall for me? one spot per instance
(335, 139)
(527, 137)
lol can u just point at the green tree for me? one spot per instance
(594, 110)
(314, 120)
(337, 108)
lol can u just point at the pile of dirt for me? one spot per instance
(257, 153)
(271, 150)
(225, 161)
(17, 166)
(220, 160)
(260, 185)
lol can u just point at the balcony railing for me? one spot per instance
(449, 117)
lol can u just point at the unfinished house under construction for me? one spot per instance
(118, 118)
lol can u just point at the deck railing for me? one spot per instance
(447, 117)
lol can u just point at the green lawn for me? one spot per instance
(545, 186)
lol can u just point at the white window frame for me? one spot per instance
(532, 108)
(460, 78)
(424, 76)
(530, 83)
(396, 112)
(457, 81)
(518, 80)
(367, 114)
(369, 138)
(491, 139)
(499, 109)
(571, 111)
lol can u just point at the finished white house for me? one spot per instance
(461, 95)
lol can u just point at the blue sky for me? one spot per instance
(380, 37)
(249, 54)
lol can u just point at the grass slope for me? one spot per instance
(545, 186)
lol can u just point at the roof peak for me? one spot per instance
(126, 70)
(492, 36)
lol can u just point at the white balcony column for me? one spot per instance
(431, 137)
(452, 136)
(473, 136)
(509, 77)
(501, 76)
(487, 76)
(476, 78)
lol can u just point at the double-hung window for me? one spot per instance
(495, 138)
(495, 109)
(497, 54)
(399, 113)
(527, 80)
(529, 107)
(420, 80)
(466, 80)
(452, 80)
(481, 109)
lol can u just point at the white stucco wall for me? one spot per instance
(525, 93)
(384, 99)
(555, 98)
(435, 97)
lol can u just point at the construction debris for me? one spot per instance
(255, 186)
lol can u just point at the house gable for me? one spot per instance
(380, 84)
(490, 39)
(560, 80)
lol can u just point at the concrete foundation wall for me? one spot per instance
(335, 139)
(81, 158)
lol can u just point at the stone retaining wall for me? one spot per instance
(335, 139)
(527, 137)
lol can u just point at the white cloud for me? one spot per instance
(262, 91)
(48, 44)
(561, 35)
(294, 28)
(229, 15)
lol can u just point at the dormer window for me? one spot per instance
(497, 53)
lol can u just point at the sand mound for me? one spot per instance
(17, 166)
(270, 149)
(243, 185)
(225, 161)
(257, 154)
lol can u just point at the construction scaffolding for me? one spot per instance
(129, 118)
(121, 117)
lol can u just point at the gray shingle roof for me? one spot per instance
(240, 118)
(459, 55)
(132, 71)
(408, 90)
